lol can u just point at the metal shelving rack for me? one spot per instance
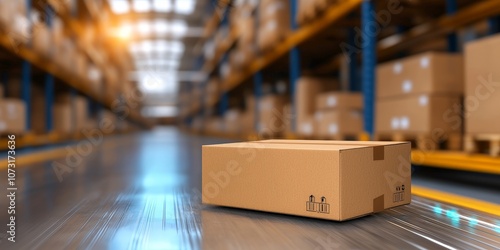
(374, 50)
(31, 58)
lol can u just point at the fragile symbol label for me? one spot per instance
(320, 207)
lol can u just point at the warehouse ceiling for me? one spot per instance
(161, 36)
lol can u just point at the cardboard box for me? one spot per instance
(432, 72)
(232, 121)
(305, 96)
(271, 118)
(12, 116)
(340, 122)
(482, 86)
(339, 100)
(419, 114)
(306, 126)
(274, 23)
(63, 122)
(81, 106)
(332, 180)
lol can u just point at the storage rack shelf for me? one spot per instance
(75, 21)
(387, 47)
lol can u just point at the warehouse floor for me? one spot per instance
(141, 191)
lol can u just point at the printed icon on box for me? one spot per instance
(399, 194)
(323, 206)
(311, 205)
(320, 207)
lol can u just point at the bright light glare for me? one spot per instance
(144, 27)
(119, 6)
(142, 5)
(124, 31)
(184, 7)
(154, 83)
(162, 5)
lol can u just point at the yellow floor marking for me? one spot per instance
(458, 200)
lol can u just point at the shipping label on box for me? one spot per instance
(333, 180)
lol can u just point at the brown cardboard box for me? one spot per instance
(63, 122)
(305, 96)
(306, 126)
(426, 114)
(482, 86)
(332, 180)
(340, 122)
(271, 119)
(42, 42)
(248, 122)
(339, 100)
(12, 116)
(274, 23)
(232, 121)
(81, 112)
(430, 72)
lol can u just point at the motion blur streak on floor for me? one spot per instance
(142, 192)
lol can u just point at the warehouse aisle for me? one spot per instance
(141, 192)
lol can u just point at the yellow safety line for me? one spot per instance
(462, 201)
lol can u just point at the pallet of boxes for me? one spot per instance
(12, 115)
(308, 89)
(482, 100)
(419, 99)
(339, 115)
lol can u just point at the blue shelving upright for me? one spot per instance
(294, 61)
(369, 61)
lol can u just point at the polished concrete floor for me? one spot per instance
(141, 191)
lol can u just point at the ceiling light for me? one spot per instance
(142, 5)
(185, 7)
(162, 5)
(119, 6)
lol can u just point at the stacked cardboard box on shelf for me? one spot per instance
(310, 9)
(232, 121)
(12, 116)
(339, 115)
(271, 119)
(305, 96)
(418, 96)
(274, 23)
(482, 90)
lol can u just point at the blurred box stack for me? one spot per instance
(232, 121)
(271, 119)
(308, 88)
(274, 23)
(419, 98)
(12, 116)
(244, 25)
(339, 115)
(212, 91)
(482, 83)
